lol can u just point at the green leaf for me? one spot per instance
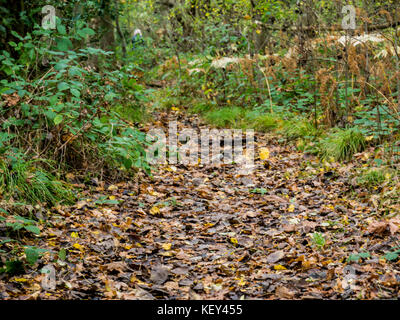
(61, 29)
(75, 71)
(33, 229)
(16, 35)
(110, 96)
(64, 44)
(62, 86)
(6, 241)
(60, 66)
(32, 255)
(7, 90)
(391, 256)
(364, 255)
(353, 257)
(86, 32)
(127, 163)
(14, 226)
(62, 254)
(58, 119)
(50, 114)
(75, 92)
(14, 267)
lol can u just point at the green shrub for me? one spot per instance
(56, 111)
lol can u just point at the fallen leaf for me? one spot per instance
(284, 293)
(275, 256)
(155, 210)
(279, 267)
(377, 227)
(159, 274)
(264, 154)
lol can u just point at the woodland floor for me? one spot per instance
(203, 232)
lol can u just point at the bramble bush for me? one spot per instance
(58, 105)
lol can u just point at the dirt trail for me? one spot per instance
(205, 232)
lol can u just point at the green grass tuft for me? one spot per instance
(298, 128)
(372, 178)
(200, 107)
(342, 144)
(27, 183)
(224, 117)
(263, 122)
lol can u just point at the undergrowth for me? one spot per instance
(25, 181)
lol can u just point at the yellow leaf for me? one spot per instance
(154, 210)
(234, 241)
(112, 188)
(167, 246)
(70, 176)
(369, 138)
(264, 153)
(307, 264)
(20, 280)
(291, 208)
(167, 254)
(136, 280)
(74, 235)
(78, 246)
(208, 225)
(279, 267)
(242, 282)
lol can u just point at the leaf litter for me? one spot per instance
(290, 230)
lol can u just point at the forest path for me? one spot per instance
(206, 232)
(211, 233)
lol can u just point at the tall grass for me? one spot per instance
(26, 183)
(224, 117)
(342, 144)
